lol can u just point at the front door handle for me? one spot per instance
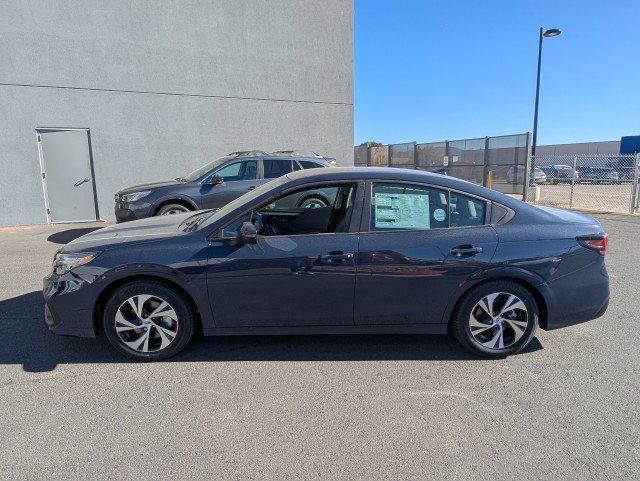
(466, 250)
(80, 182)
(251, 187)
(336, 257)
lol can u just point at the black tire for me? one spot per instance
(186, 322)
(172, 209)
(459, 325)
(313, 201)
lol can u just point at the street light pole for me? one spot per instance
(551, 32)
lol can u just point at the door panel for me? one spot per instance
(215, 196)
(407, 277)
(68, 177)
(283, 281)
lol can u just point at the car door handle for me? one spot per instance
(251, 187)
(80, 182)
(466, 250)
(336, 257)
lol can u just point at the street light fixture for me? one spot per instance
(550, 32)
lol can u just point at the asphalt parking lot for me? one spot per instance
(325, 407)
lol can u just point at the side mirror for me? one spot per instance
(215, 180)
(247, 234)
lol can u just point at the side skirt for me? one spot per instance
(310, 330)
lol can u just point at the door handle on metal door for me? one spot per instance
(336, 257)
(251, 187)
(466, 250)
(80, 182)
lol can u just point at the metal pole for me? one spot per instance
(528, 170)
(634, 187)
(535, 109)
(573, 179)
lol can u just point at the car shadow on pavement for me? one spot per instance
(26, 341)
(66, 236)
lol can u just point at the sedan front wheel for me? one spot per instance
(148, 321)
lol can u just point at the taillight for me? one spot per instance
(596, 243)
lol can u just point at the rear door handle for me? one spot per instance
(251, 187)
(336, 257)
(466, 250)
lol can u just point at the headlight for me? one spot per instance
(135, 196)
(63, 263)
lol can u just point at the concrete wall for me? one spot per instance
(167, 86)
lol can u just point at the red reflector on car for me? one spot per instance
(596, 243)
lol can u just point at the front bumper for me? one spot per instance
(126, 212)
(67, 308)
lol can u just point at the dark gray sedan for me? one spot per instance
(218, 183)
(395, 251)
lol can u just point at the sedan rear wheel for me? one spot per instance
(148, 321)
(496, 319)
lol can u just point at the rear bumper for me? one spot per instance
(578, 297)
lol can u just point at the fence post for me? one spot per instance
(368, 158)
(415, 154)
(573, 179)
(634, 187)
(485, 160)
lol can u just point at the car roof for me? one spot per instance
(392, 174)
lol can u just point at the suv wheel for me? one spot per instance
(148, 321)
(496, 319)
(172, 209)
(312, 202)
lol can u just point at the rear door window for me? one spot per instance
(274, 168)
(408, 207)
(416, 207)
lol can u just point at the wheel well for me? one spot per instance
(542, 305)
(103, 298)
(181, 202)
(311, 196)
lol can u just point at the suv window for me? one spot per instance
(307, 164)
(276, 167)
(414, 207)
(293, 215)
(246, 170)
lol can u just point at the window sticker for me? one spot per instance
(401, 211)
(439, 215)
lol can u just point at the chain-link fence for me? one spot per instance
(601, 183)
(495, 162)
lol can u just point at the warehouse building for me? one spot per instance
(98, 96)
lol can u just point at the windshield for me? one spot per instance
(240, 201)
(206, 168)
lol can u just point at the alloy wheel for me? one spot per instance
(176, 210)
(498, 320)
(146, 323)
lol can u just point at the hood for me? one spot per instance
(151, 228)
(150, 186)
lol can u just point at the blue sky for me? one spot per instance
(435, 70)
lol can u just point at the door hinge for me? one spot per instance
(44, 176)
(39, 138)
(48, 211)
